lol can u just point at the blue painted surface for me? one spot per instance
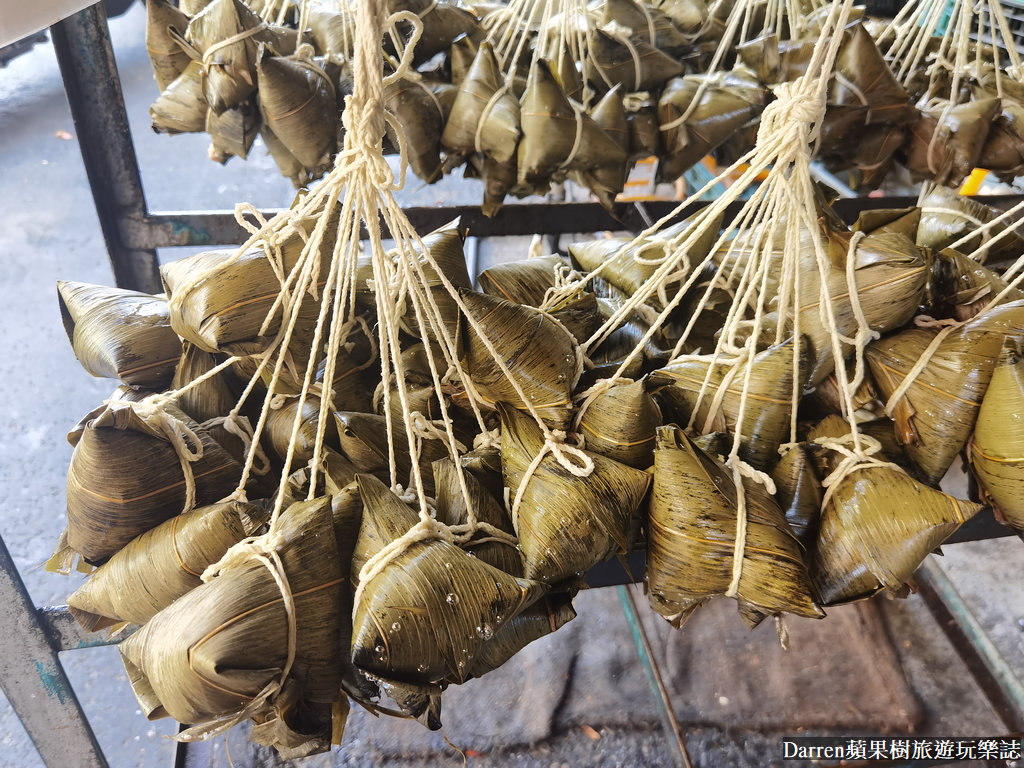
(53, 680)
(192, 235)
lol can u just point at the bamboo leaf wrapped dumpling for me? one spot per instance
(478, 101)
(525, 281)
(936, 414)
(182, 107)
(876, 528)
(162, 564)
(220, 303)
(424, 617)
(232, 132)
(453, 509)
(691, 540)
(116, 333)
(127, 476)
(228, 34)
(557, 135)
(223, 647)
(615, 62)
(545, 616)
(421, 117)
(724, 108)
(620, 423)
(541, 355)
(297, 100)
(946, 142)
(566, 523)
(769, 397)
(996, 451)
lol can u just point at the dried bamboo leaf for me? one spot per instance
(620, 424)
(555, 136)
(723, 109)
(545, 616)
(692, 534)
(162, 564)
(166, 56)
(540, 353)
(116, 333)
(232, 132)
(125, 478)
(566, 524)
(613, 62)
(182, 107)
(525, 281)
(213, 650)
(937, 414)
(799, 492)
(424, 618)
(297, 101)
(997, 447)
(765, 423)
(945, 143)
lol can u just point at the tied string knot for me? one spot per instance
(425, 530)
(554, 443)
(425, 429)
(858, 452)
(239, 426)
(488, 438)
(588, 396)
(740, 470)
(796, 110)
(186, 443)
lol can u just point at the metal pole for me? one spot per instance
(86, 60)
(677, 743)
(34, 681)
(990, 669)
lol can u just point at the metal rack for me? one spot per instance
(31, 673)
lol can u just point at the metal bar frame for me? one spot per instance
(31, 674)
(93, 88)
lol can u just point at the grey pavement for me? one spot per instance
(576, 698)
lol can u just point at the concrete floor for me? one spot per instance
(50, 232)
